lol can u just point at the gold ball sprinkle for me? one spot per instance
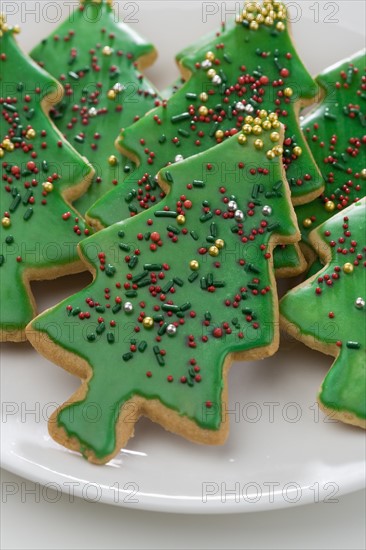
(203, 110)
(257, 130)
(272, 117)
(297, 151)
(211, 73)
(6, 222)
(266, 125)
(248, 119)
(210, 56)
(348, 268)
(288, 92)
(247, 129)
(278, 150)
(242, 139)
(47, 186)
(275, 136)
(112, 160)
(181, 219)
(270, 155)
(363, 174)
(111, 94)
(2, 153)
(329, 206)
(263, 113)
(254, 26)
(258, 144)
(307, 222)
(148, 322)
(203, 96)
(31, 134)
(219, 243)
(213, 251)
(276, 124)
(194, 265)
(107, 50)
(280, 26)
(219, 134)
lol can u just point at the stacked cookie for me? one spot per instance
(196, 207)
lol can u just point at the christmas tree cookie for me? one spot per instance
(41, 174)
(179, 291)
(249, 66)
(336, 133)
(97, 60)
(328, 312)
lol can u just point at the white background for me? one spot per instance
(31, 518)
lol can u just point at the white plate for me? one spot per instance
(281, 451)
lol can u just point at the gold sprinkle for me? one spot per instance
(211, 73)
(348, 268)
(181, 219)
(275, 136)
(219, 134)
(213, 251)
(258, 144)
(270, 155)
(203, 110)
(194, 265)
(242, 139)
(210, 56)
(329, 206)
(219, 243)
(112, 160)
(6, 222)
(31, 134)
(288, 92)
(111, 94)
(47, 186)
(203, 96)
(247, 129)
(307, 222)
(297, 151)
(148, 322)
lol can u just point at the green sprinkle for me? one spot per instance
(198, 183)
(142, 346)
(9, 107)
(193, 276)
(30, 114)
(179, 118)
(79, 139)
(167, 287)
(121, 234)
(170, 307)
(252, 268)
(45, 167)
(183, 133)
(178, 281)
(14, 205)
(110, 338)
(162, 329)
(73, 75)
(124, 247)
(218, 284)
(145, 282)
(133, 262)
(162, 139)
(2, 259)
(91, 337)
(160, 360)
(273, 226)
(185, 306)
(28, 214)
(227, 58)
(127, 356)
(110, 270)
(190, 95)
(158, 318)
(100, 328)
(152, 267)
(165, 214)
(205, 217)
(28, 194)
(100, 309)
(116, 308)
(194, 235)
(139, 276)
(168, 177)
(131, 294)
(353, 345)
(214, 129)
(203, 283)
(173, 229)
(213, 229)
(75, 311)
(9, 239)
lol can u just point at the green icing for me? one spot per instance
(91, 53)
(229, 304)
(33, 153)
(254, 68)
(333, 311)
(336, 134)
